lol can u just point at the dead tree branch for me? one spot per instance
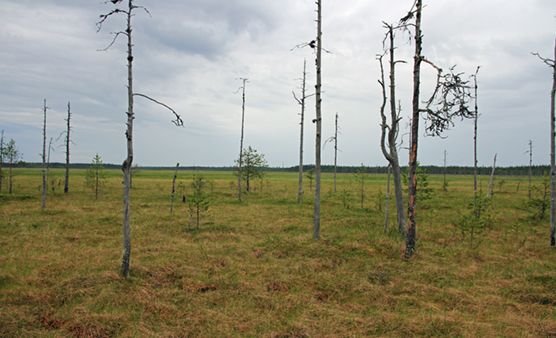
(178, 121)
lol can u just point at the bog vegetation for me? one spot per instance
(253, 269)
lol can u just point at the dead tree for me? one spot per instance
(173, 195)
(475, 123)
(44, 165)
(491, 180)
(335, 150)
(530, 151)
(301, 102)
(444, 182)
(318, 121)
(127, 164)
(552, 64)
(449, 100)
(390, 131)
(68, 140)
(244, 80)
(1, 160)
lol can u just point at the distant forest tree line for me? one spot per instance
(537, 170)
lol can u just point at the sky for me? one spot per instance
(191, 54)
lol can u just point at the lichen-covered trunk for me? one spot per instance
(318, 121)
(44, 168)
(241, 142)
(412, 226)
(66, 175)
(301, 123)
(126, 167)
(552, 157)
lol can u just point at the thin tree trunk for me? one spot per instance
(318, 120)
(475, 123)
(173, 189)
(48, 162)
(10, 182)
(44, 167)
(1, 161)
(491, 180)
(301, 123)
(445, 183)
(96, 181)
(335, 150)
(392, 153)
(66, 177)
(552, 157)
(126, 167)
(411, 230)
(241, 141)
(530, 166)
(387, 206)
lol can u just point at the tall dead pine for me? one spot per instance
(127, 164)
(552, 64)
(301, 102)
(390, 131)
(240, 162)
(318, 123)
(68, 140)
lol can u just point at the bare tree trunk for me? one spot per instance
(10, 181)
(445, 183)
(335, 150)
(530, 166)
(1, 161)
(301, 123)
(44, 167)
(552, 157)
(97, 179)
(411, 230)
(491, 180)
(318, 121)
(391, 154)
(68, 140)
(387, 206)
(475, 123)
(241, 140)
(126, 166)
(174, 189)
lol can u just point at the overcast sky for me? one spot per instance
(190, 54)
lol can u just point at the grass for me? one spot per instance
(252, 268)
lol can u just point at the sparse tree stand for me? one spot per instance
(68, 140)
(127, 164)
(240, 162)
(390, 151)
(44, 165)
(552, 64)
(318, 122)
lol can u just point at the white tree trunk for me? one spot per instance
(552, 156)
(318, 121)
(241, 140)
(335, 150)
(68, 140)
(491, 180)
(301, 124)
